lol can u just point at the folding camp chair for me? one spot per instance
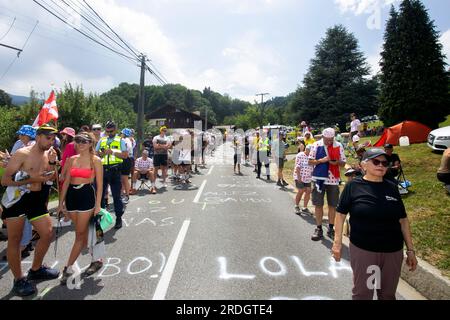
(403, 184)
(144, 182)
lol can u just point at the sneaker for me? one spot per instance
(23, 287)
(65, 276)
(118, 224)
(278, 183)
(258, 177)
(297, 210)
(318, 235)
(330, 233)
(125, 199)
(268, 178)
(285, 183)
(93, 268)
(306, 211)
(43, 273)
(64, 223)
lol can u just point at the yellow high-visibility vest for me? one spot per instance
(115, 146)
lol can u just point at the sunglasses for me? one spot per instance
(377, 162)
(82, 141)
(110, 131)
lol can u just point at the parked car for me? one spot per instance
(439, 139)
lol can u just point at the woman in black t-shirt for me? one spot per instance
(378, 228)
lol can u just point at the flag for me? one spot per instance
(48, 112)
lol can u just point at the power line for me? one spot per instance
(95, 12)
(64, 38)
(82, 16)
(8, 29)
(88, 29)
(87, 36)
(18, 54)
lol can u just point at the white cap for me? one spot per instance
(329, 133)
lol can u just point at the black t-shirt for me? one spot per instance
(375, 210)
(392, 159)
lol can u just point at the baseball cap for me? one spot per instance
(46, 130)
(388, 146)
(27, 130)
(373, 153)
(69, 131)
(96, 126)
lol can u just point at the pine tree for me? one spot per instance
(413, 80)
(337, 82)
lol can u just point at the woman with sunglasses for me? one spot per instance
(80, 198)
(379, 229)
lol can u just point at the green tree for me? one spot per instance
(414, 83)
(336, 83)
(5, 99)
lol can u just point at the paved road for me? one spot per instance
(224, 237)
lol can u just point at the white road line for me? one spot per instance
(210, 170)
(163, 285)
(199, 193)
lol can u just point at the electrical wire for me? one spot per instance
(7, 32)
(83, 33)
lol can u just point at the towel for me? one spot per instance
(12, 194)
(334, 154)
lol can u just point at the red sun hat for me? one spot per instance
(69, 131)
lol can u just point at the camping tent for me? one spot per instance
(415, 131)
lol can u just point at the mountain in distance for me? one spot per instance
(19, 100)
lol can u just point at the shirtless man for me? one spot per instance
(38, 162)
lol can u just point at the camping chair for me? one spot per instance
(403, 184)
(144, 182)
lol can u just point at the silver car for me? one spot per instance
(439, 139)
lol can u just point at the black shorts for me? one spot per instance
(32, 206)
(126, 166)
(80, 198)
(160, 160)
(280, 163)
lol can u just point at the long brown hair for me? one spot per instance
(88, 136)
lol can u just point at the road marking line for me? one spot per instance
(163, 285)
(199, 193)
(210, 171)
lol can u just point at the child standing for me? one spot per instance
(302, 177)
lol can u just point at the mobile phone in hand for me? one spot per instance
(48, 173)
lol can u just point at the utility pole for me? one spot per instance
(140, 119)
(206, 119)
(262, 107)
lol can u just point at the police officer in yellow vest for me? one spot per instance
(262, 147)
(112, 150)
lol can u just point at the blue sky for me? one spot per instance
(236, 47)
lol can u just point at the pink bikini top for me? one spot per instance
(81, 173)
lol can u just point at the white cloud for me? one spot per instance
(445, 40)
(43, 75)
(374, 60)
(249, 66)
(359, 7)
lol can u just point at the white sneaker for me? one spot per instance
(65, 223)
